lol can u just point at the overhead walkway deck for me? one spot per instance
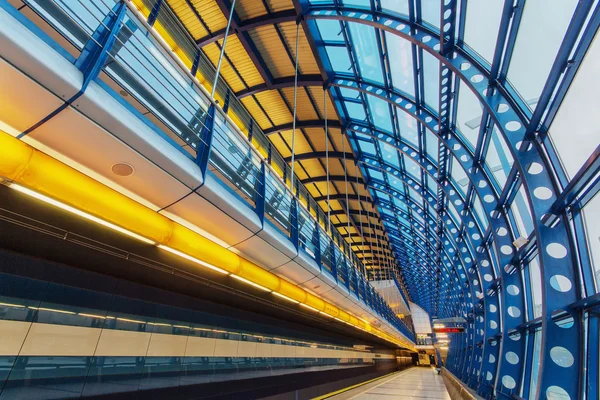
(414, 383)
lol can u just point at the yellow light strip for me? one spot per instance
(80, 213)
(285, 298)
(309, 307)
(133, 321)
(56, 311)
(92, 315)
(193, 259)
(11, 305)
(256, 285)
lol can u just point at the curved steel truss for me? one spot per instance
(465, 239)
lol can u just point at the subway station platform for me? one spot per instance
(414, 383)
(299, 199)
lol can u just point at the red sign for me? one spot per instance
(449, 330)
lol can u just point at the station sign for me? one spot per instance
(448, 329)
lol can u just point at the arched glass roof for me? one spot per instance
(467, 129)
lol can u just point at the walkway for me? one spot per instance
(416, 383)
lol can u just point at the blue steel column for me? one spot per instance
(95, 52)
(261, 191)
(154, 12)
(205, 144)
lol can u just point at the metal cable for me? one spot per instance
(346, 182)
(295, 104)
(327, 160)
(362, 235)
(214, 88)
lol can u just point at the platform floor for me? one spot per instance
(417, 383)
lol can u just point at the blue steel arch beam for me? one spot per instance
(457, 145)
(513, 150)
(425, 168)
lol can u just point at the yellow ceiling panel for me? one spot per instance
(306, 61)
(280, 5)
(279, 144)
(313, 167)
(257, 113)
(317, 95)
(337, 139)
(273, 51)
(272, 102)
(301, 146)
(213, 51)
(335, 168)
(188, 18)
(211, 14)
(304, 109)
(242, 73)
(334, 205)
(247, 9)
(317, 138)
(299, 172)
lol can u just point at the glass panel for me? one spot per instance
(380, 112)
(574, 130)
(412, 168)
(591, 213)
(366, 51)
(460, 176)
(480, 213)
(535, 365)
(430, 12)
(482, 24)
(543, 26)
(367, 147)
(355, 110)
(389, 153)
(395, 6)
(431, 78)
(357, 3)
(401, 63)
(330, 30)
(432, 144)
(408, 128)
(468, 117)
(522, 213)
(498, 158)
(536, 287)
(339, 59)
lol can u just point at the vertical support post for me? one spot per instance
(95, 52)
(317, 242)
(214, 87)
(269, 155)
(593, 356)
(226, 104)
(332, 260)
(195, 64)
(250, 130)
(261, 191)
(294, 237)
(205, 145)
(154, 13)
